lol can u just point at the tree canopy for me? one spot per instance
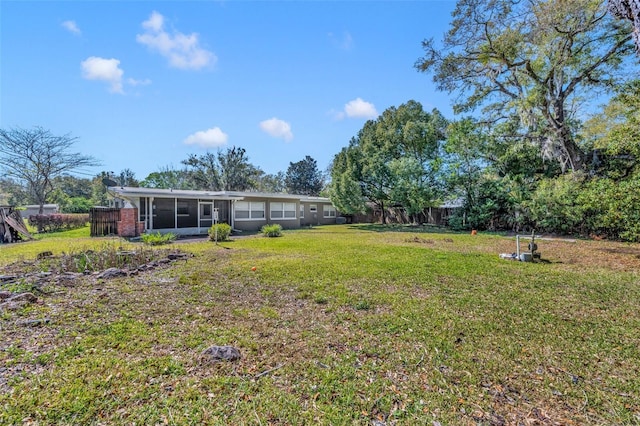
(228, 170)
(168, 177)
(530, 64)
(614, 133)
(629, 10)
(394, 160)
(304, 178)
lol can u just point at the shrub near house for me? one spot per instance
(219, 232)
(271, 230)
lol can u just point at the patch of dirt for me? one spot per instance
(24, 283)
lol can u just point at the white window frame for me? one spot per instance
(313, 208)
(281, 207)
(329, 212)
(252, 210)
(301, 211)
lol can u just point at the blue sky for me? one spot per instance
(143, 84)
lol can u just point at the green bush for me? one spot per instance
(612, 208)
(271, 230)
(488, 208)
(554, 206)
(221, 231)
(157, 239)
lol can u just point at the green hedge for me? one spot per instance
(58, 222)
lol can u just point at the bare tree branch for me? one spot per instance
(34, 157)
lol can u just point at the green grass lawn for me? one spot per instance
(336, 325)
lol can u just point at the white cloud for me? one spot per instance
(95, 68)
(211, 138)
(345, 42)
(183, 51)
(357, 108)
(72, 27)
(134, 82)
(277, 128)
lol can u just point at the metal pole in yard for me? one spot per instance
(215, 225)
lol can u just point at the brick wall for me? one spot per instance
(128, 226)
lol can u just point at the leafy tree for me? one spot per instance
(72, 194)
(415, 138)
(77, 205)
(99, 197)
(466, 147)
(34, 157)
(236, 173)
(128, 178)
(271, 182)
(364, 165)
(629, 10)
(304, 178)
(13, 193)
(394, 160)
(204, 171)
(168, 178)
(614, 133)
(410, 189)
(345, 189)
(228, 170)
(72, 186)
(532, 63)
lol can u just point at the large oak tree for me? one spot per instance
(629, 10)
(530, 62)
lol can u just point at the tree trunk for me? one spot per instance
(40, 212)
(571, 156)
(575, 155)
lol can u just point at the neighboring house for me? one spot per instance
(187, 212)
(33, 209)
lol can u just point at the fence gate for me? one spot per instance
(104, 221)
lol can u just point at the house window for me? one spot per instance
(246, 210)
(283, 210)
(301, 211)
(313, 208)
(328, 211)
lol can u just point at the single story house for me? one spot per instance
(188, 212)
(33, 209)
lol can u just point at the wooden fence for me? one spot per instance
(104, 221)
